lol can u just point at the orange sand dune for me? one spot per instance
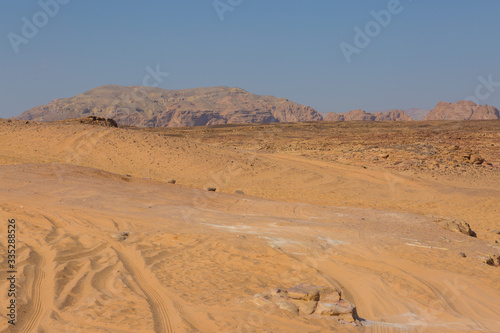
(100, 251)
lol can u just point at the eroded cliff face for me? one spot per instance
(463, 110)
(156, 107)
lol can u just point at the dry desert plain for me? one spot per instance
(368, 210)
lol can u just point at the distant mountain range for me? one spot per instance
(392, 115)
(156, 107)
(463, 110)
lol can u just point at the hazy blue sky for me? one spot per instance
(430, 50)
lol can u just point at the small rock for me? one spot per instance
(330, 294)
(493, 260)
(463, 255)
(171, 181)
(333, 308)
(305, 292)
(456, 225)
(9, 121)
(121, 235)
(288, 306)
(383, 155)
(305, 307)
(210, 189)
(239, 192)
(476, 159)
(496, 231)
(466, 155)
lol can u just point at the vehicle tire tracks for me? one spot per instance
(160, 306)
(42, 289)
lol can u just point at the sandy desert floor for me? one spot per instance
(106, 244)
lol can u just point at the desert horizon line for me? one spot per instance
(324, 114)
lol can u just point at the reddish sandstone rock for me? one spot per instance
(462, 110)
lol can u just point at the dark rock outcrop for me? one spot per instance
(92, 120)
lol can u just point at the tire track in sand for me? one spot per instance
(168, 313)
(42, 289)
(164, 318)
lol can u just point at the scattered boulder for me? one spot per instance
(476, 159)
(239, 192)
(171, 181)
(305, 292)
(331, 307)
(123, 235)
(456, 225)
(306, 307)
(463, 255)
(493, 260)
(287, 306)
(308, 300)
(210, 189)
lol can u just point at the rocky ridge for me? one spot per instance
(463, 110)
(156, 107)
(393, 115)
